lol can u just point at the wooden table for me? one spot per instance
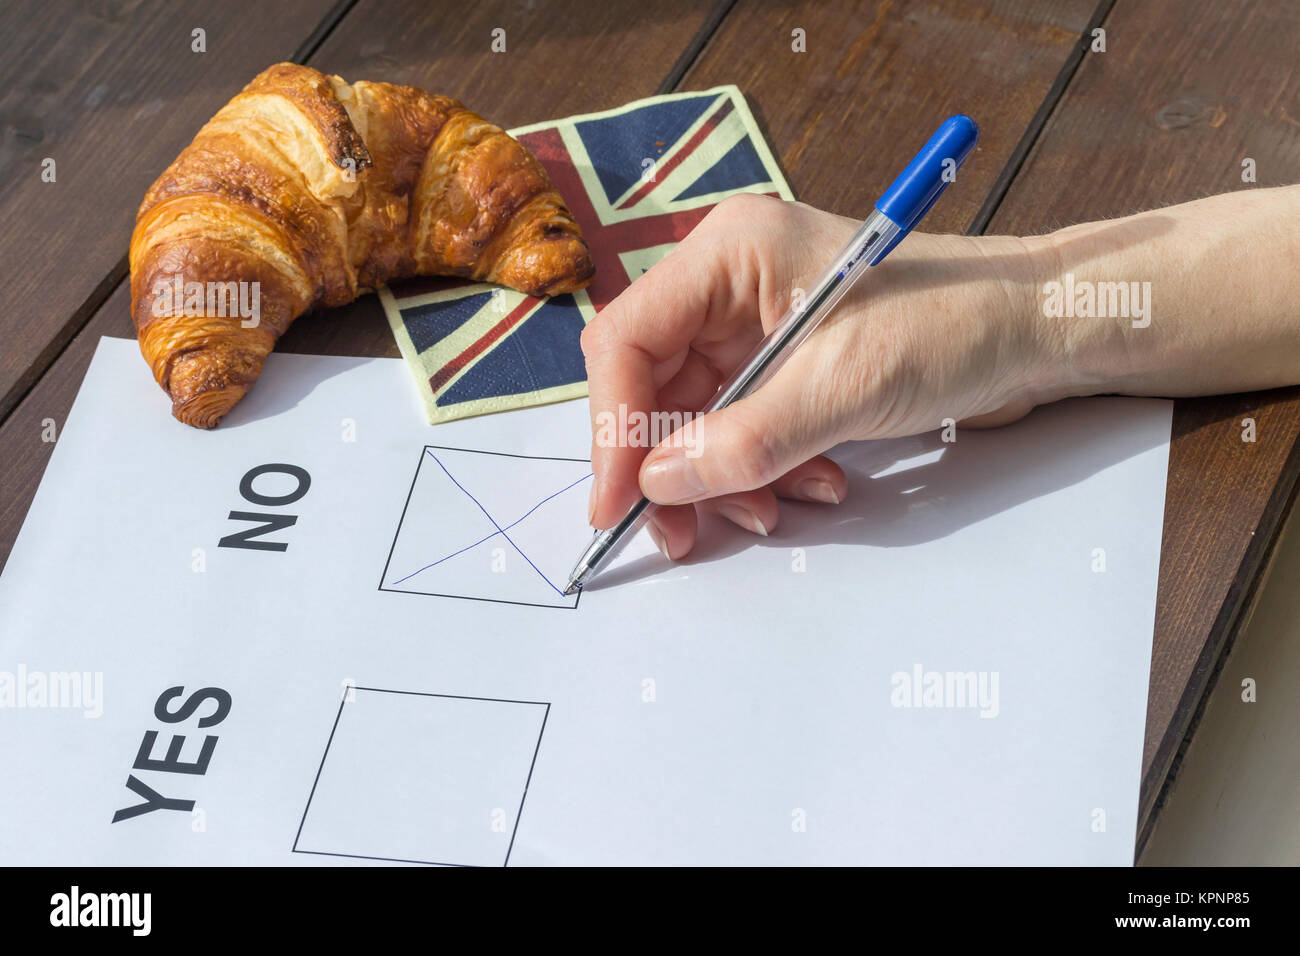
(1183, 92)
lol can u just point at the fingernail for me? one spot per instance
(657, 537)
(817, 489)
(672, 481)
(743, 517)
(591, 504)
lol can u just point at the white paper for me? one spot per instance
(405, 683)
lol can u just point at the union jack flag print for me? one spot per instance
(637, 180)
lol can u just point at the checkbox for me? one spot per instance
(488, 526)
(423, 778)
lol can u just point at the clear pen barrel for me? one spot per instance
(802, 318)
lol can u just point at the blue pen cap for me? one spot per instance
(918, 186)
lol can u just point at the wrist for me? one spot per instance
(1023, 267)
(1092, 317)
(1068, 351)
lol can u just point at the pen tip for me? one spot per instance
(571, 588)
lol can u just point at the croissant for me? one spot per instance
(306, 191)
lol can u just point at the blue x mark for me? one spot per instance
(499, 530)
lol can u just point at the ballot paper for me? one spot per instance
(327, 632)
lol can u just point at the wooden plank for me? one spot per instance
(543, 74)
(877, 78)
(1183, 93)
(111, 92)
(25, 445)
(560, 58)
(1160, 101)
(426, 45)
(415, 45)
(444, 47)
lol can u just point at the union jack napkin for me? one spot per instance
(637, 179)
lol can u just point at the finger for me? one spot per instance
(693, 385)
(673, 528)
(636, 344)
(749, 444)
(617, 375)
(756, 511)
(708, 293)
(817, 479)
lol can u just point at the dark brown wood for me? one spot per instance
(851, 103)
(1045, 109)
(443, 47)
(24, 446)
(543, 74)
(111, 91)
(560, 58)
(1184, 93)
(877, 78)
(1225, 505)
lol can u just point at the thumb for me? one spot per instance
(738, 448)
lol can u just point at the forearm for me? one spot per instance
(1201, 298)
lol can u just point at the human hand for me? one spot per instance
(942, 329)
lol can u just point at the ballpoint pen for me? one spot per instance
(896, 213)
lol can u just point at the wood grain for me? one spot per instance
(1184, 93)
(444, 47)
(559, 59)
(25, 447)
(877, 78)
(896, 47)
(111, 91)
